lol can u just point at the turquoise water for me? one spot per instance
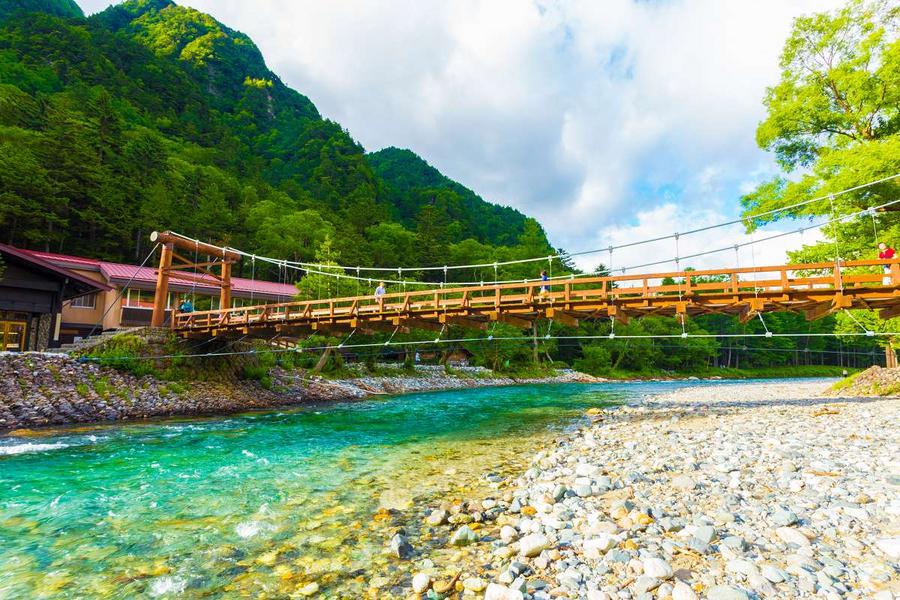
(260, 504)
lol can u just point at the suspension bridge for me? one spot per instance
(813, 289)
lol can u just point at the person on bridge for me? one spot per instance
(885, 252)
(544, 278)
(187, 306)
(380, 290)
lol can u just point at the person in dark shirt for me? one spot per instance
(187, 306)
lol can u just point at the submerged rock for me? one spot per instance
(463, 536)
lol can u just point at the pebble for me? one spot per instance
(532, 545)
(683, 482)
(682, 591)
(890, 546)
(421, 582)
(773, 574)
(474, 584)
(508, 534)
(501, 592)
(309, 589)
(463, 536)
(726, 592)
(722, 500)
(400, 546)
(705, 534)
(657, 567)
(790, 535)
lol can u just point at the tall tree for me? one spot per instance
(834, 118)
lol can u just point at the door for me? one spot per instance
(12, 336)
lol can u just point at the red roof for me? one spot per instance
(145, 277)
(84, 285)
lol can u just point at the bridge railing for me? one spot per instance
(683, 285)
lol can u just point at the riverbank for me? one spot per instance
(721, 492)
(38, 390)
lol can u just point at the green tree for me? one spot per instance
(834, 117)
(327, 281)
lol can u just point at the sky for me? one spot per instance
(607, 121)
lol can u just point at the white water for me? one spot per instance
(29, 448)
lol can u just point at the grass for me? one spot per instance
(102, 387)
(783, 372)
(845, 382)
(82, 389)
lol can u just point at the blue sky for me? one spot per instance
(608, 121)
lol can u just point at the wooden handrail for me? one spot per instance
(396, 303)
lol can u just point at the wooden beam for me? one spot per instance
(466, 322)
(417, 323)
(319, 327)
(616, 312)
(509, 319)
(890, 312)
(561, 317)
(167, 237)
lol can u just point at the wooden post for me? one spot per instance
(162, 287)
(225, 294)
(890, 357)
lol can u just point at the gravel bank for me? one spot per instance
(874, 381)
(38, 389)
(728, 492)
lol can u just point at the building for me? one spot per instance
(127, 297)
(33, 291)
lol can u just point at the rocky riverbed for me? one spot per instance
(730, 492)
(39, 389)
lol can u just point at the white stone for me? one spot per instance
(495, 591)
(683, 591)
(308, 590)
(726, 592)
(683, 482)
(742, 566)
(657, 567)
(474, 584)
(532, 545)
(585, 470)
(773, 574)
(890, 546)
(596, 547)
(508, 534)
(421, 582)
(789, 535)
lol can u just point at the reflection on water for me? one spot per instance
(257, 504)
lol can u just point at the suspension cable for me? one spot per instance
(754, 241)
(620, 246)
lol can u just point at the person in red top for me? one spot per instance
(885, 252)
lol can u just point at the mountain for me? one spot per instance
(411, 182)
(60, 8)
(150, 115)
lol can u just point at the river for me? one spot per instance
(257, 504)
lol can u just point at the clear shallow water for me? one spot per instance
(257, 504)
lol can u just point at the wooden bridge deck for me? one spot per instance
(815, 290)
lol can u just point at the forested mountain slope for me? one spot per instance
(151, 115)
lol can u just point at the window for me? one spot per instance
(89, 301)
(138, 299)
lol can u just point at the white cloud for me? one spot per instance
(715, 247)
(602, 119)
